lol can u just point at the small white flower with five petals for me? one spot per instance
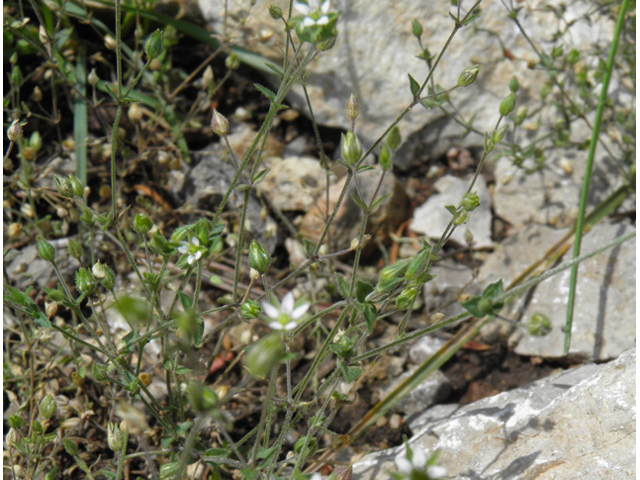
(285, 316)
(418, 463)
(315, 14)
(192, 249)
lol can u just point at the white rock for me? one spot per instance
(431, 218)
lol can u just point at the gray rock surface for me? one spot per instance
(431, 218)
(435, 388)
(206, 184)
(604, 316)
(375, 50)
(580, 423)
(453, 281)
(346, 225)
(293, 184)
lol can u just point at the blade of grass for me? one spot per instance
(587, 176)
(80, 119)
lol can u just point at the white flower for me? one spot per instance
(418, 462)
(285, 316)
(315, 14)
(193, 250)
(316, 476)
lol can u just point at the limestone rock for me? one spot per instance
(346, 225)
(604, 315)
(293, 184)
(431, 218)
(580, 423)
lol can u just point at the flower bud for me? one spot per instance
(145, 378)
(258, 257)
(468, 236)
(498, 135)
(37, 94)
(27, 210)
(115, 437)
(154, 45)
(275, 12)
(265, 355)
(63, 186)
(219, 123)
(468, 75)
(84, 281)
(470, 201)
(43, 35)
(93, 77)
(386, 158)
(418, 263)
(395, 270)
(250, 309)
(353, 106)
(462, 217)
(35, 141)
(75, 249)
(416, 28)
(207, 76)
(202, 398)
(11, 438)
(98, 372)
(70, 446)
(77, 187)
(16, 76)
(98, 270)
(539, 324)
(14, 132)
(394, 139)
(232, 62)
(109, 280)
(508, 104)
(351, 148)
(46, 250)
(142, 223)
(62, 212)
(47, 406)
(110, 42)
(135, 113)
(50, 308)
(514, 86)
(407, 297)
(14, 230)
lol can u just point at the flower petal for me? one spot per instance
(325, 6)
(323, 20)
(198, 254)
(291, 325)
(308, 22)
(404, 465)
(419, 459)
(276, 326)
(183, 249)
(301, 7)
(436, 471)
(300, 311)
(270, 310)
(195, 241)
(288, 303)
(190, 259)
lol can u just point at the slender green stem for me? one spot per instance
(587, 175)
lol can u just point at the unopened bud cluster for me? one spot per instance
(219, 123)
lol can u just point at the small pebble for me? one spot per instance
(395, 421)
(382, 421)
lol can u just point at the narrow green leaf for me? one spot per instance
(379, 201)
(358, 201)
(266, 92)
